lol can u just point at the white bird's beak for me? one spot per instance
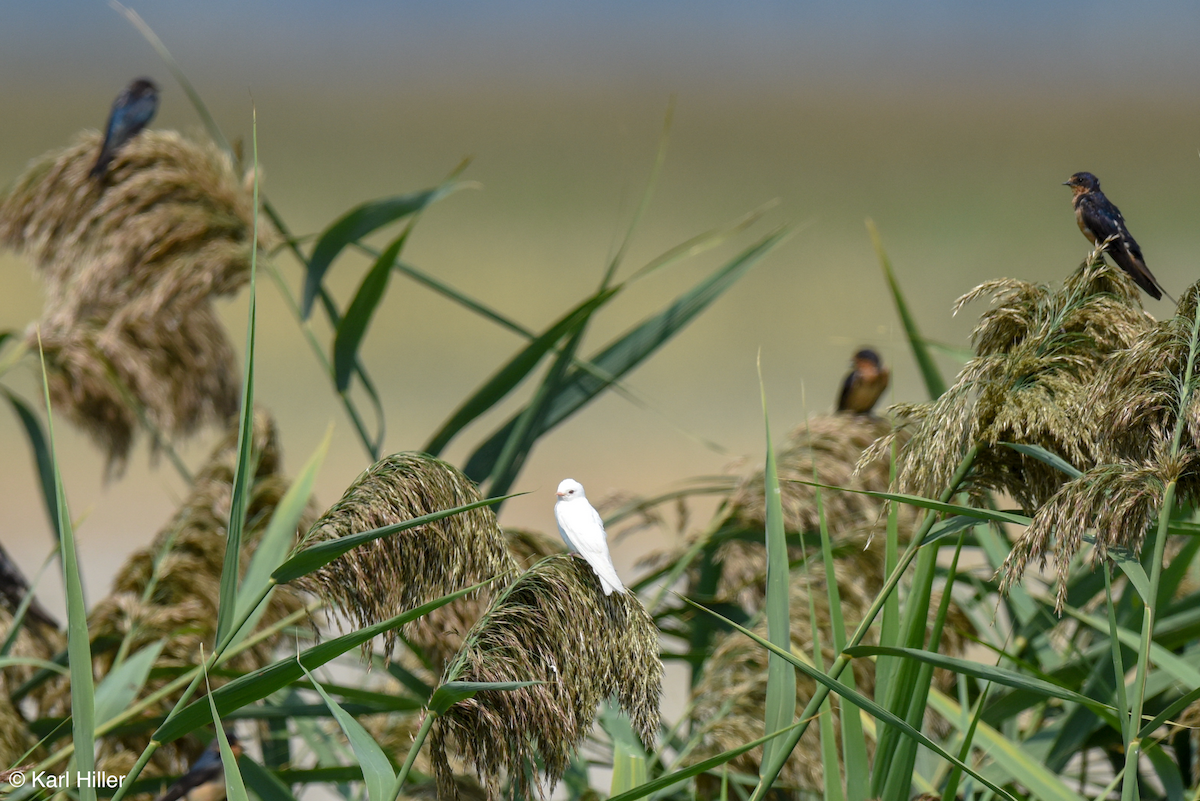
(559, 494)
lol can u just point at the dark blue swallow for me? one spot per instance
(131, 112)
(205, 781)
(866, 382)
(1099, 219)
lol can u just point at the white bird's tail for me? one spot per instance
(609, 579)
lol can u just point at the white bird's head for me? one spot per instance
(569, 489)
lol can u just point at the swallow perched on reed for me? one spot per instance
(1100, 220)
(205, 781)
(866, 382)
(131, 112)
(583, 532)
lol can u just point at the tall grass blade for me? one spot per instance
(41, 456)
(929, 503)
(29, 661)
(17, 623)
(1043, 455)
(629, 757)
(671, 779)
(700, 243)
(117, 690)
(354, 225)
(968, 738)
(934, 383)
(357, 317)
(262, 782)
(1128, 562)
(889, 627)
(377, 770)
(625, 353)
(79, 647)
(259, 684)
(1167, 770)
(1179, 668)
(780, 706)
(277, 540)
(868, 619)
(235, 789)
(529, 424)
(978, 670)
(461, 298)
(830, 765)
(1029, 769)
(513, 373)
(243, 475)
(382, 701)
(450, 693)
(862, 702)
(628, 769)
(854, 744)
(1178, 705)
(892, 772)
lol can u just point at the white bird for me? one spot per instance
(583, 532)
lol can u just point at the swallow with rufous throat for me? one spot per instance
(1103, 225)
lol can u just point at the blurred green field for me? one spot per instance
(963, 185)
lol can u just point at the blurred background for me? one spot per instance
(951, 125)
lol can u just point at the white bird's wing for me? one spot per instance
(560, 511)
(583, 530)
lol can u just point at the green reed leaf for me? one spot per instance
(626, 352)
(117, 690)
(262, 682)
(235, 788)
(79, 648)
(352, 226)
(277, 540)
(377, 770)
(452, 692)
(935, 385)
(861, 702)
(1043, 455)
(357, 317)
(41, 456)
(514, 372)
(243, 475)
(780, 705)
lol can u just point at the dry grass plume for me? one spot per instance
(554, 625)
(130, 262)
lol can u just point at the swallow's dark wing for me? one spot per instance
(130, 114)
(138, 113)
(844, 396)
(1100, 216)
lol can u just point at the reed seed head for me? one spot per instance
(553, 625)
(1038, 350)
(130, 262)
(393, 574)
